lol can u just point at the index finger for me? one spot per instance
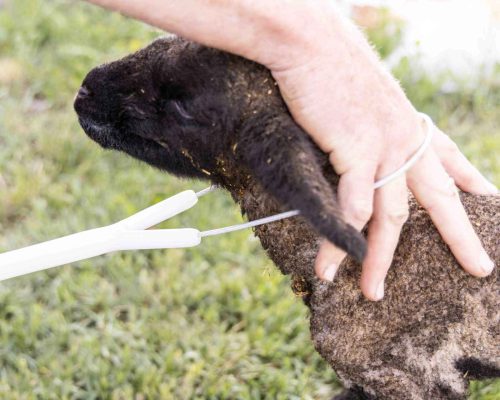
(437, 193)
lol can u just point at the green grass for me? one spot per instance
(216, 321)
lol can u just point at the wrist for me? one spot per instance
(296, 32)
(289, 32)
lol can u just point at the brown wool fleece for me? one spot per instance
(415, 343)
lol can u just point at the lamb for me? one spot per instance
(198, 112)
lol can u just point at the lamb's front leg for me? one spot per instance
(285, 161)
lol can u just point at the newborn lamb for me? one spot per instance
(199, 112)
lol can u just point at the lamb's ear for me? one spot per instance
(164, 70)
(284, 160)
(176, 69)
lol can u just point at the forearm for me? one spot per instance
(261, 30)
(200, 20)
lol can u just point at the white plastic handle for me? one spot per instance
(124, 235)
(161, 211)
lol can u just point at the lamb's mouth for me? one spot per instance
(110, 137)
(100, 133)
(154, 143)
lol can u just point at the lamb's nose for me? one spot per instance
(83, 92)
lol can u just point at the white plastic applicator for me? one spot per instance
(128, 234)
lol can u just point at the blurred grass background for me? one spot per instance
(213, 322)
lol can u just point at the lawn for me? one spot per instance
(214, 322)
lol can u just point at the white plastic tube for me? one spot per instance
(124, 235)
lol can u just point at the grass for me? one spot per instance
(213, 322)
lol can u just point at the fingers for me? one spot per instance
(436, 192)
(328, 260)
(466, 176)
(390, 214)
(355, 195)
(434, 189)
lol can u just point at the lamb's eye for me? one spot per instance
(179, 108)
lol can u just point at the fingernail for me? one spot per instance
(379, 293)
(330, 272)
(486, 264)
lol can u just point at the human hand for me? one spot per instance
(339, 92)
